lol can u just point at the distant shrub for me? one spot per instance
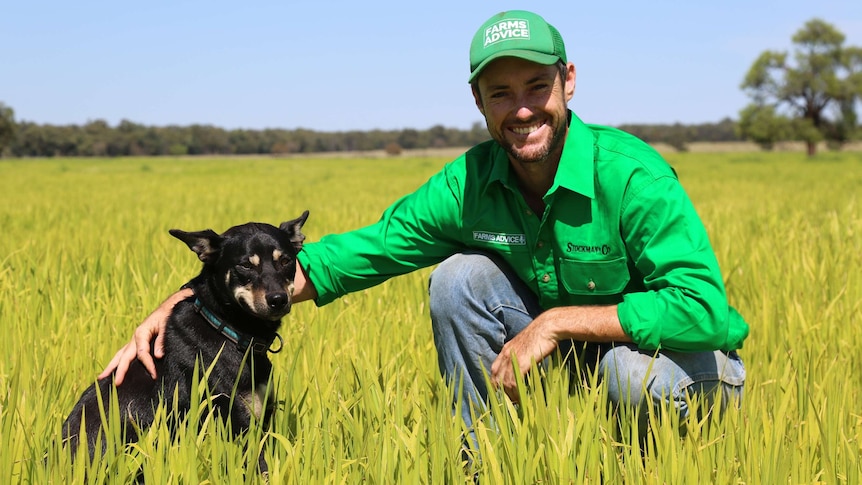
(393, 149)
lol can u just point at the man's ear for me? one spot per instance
(571, 76)
(477, 97)
(206, 244)
(292, 228)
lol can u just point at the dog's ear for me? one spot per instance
(292, 228)
(206, 244)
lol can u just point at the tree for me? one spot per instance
(762, 125)
(818, 92)
(7, 127)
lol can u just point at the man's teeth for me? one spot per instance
(527, 129)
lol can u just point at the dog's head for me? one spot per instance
(253, 263)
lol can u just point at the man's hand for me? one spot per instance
(153, 327)
(540, 338)
(529, 347)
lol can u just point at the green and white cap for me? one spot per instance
(515, 33)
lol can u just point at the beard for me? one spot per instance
(535, 153)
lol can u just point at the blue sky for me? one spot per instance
(350, 65)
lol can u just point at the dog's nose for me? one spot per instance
(276, 301)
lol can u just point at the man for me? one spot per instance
(553, 235)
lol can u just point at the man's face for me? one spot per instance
(524, 105)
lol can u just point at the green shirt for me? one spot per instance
(618, 228)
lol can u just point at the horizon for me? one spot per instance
(387, 66)
(302, 128)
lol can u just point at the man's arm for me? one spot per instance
(540, 339)
(684, 307)
(303, 288)
(153, 327)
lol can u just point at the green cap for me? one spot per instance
(516, 33)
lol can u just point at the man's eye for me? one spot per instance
(540, 87)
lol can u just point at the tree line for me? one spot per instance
(100, 139)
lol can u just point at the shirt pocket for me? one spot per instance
(604, 277)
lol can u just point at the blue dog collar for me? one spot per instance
(242, 340)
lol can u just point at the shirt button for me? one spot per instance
(540, 244)
(591, 285)
(546, 278)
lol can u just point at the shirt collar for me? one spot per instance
(577, 164)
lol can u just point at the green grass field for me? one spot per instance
(85, 255)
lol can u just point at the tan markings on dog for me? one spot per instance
(276, 254)
(244, 294)
(254, 259)
(290, 288)
(253, 400)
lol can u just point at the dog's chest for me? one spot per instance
(190, 341)
(254, 400)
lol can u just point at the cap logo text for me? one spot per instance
(507, 30)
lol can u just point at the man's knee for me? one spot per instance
(635, 378)
(465, 267)
(626, 373)
(461, 274)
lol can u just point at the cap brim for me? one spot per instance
(532, 56)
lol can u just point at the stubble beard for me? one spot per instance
(532, 155)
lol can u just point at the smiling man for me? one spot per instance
(553, 237)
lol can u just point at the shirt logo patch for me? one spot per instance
(507, 30)
(499, 238)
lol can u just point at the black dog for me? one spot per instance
(240, 296)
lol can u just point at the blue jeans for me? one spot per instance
(477, 304)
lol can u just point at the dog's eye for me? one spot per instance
(245, 265)
(285, 261)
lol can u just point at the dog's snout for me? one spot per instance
(276, 301)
